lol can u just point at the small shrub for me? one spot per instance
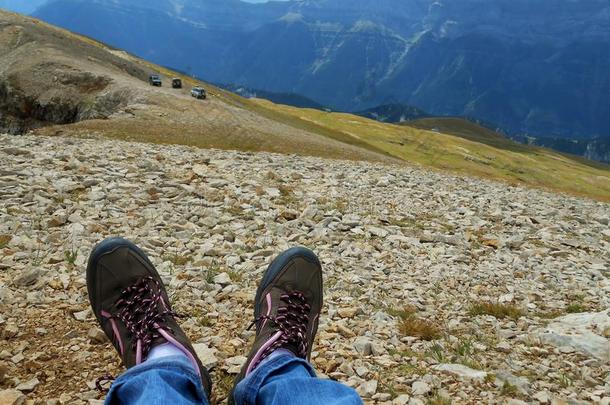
(212, 272)
(437, 352)
(495, 309)
(552, 314)
(564, 380)
(286, 191)
(410, 325)
(71, 256)
(575, 308)
(464, 347)
(490, 378)
(420, 328)
(271, 175)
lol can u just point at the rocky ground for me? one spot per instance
(438, 289)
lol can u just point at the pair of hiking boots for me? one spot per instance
(131, 304)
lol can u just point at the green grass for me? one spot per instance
(438, 400)
(575, 308)
(212, 272)
(71, 256)
(235, 276)
(495, 309)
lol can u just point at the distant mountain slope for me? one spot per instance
(393, 113)
(295, 100)
(594, 149)
(48, 78)
(535, 67)
(466, 129)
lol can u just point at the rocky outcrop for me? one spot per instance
(598, 149)
(51, 77)
(20, 112)
(36, 98)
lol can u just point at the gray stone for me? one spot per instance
(543, 397)
(10, 331)
(234, 364)
(200, 170)
(206, 355)
(11, 397)
(420, 388)
(97, 335)
(461, 371)
(83, 315)
(28, 277)
(29, 385)
(514, 401)
(521, 383)
(368, 388)
(222, 279)
(363, 345)
(582, 332)
(402, 399)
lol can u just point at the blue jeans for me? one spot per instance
(282, 379)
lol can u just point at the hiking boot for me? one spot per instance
(131, 305)
(286, 308)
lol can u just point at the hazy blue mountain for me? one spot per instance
(594, 149)
(295, 100)
(530, 66)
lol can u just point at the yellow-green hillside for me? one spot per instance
(467, 151)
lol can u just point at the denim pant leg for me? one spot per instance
(168, 380)
(286, 379)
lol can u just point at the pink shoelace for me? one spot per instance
(139, 310)
(291, 319)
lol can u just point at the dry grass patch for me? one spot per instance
(177, 259)
(438, 400)
(495, 309)
(410, 325)
(420, 328)
(4, 240)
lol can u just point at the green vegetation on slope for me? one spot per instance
(466, 151)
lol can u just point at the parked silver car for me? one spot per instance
(198, 92)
